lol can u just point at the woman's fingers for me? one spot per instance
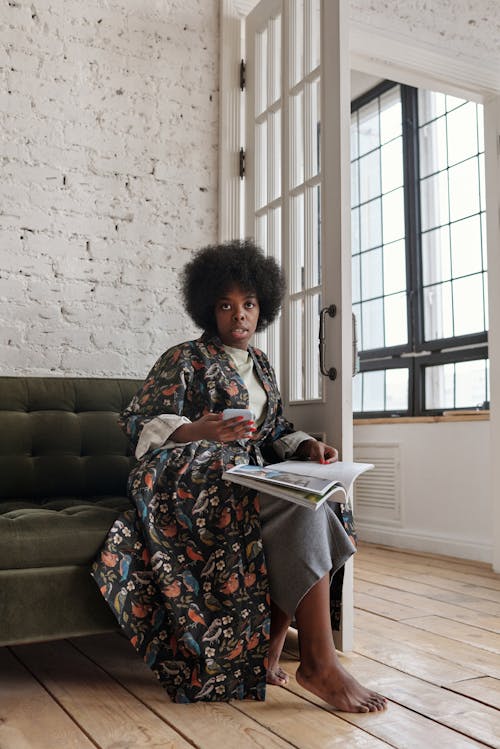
(330, 454)
(235, 429)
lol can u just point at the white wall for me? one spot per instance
(109, 117)
(445, 488)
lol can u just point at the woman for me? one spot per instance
(201, 577)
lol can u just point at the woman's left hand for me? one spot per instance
(318, 451)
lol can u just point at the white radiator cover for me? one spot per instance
(377, 493)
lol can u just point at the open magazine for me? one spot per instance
(302, 481)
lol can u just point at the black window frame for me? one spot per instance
(417, 353)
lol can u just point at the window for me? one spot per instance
(418, 252)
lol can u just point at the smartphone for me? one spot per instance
(232, 413)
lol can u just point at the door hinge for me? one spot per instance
(242, 163)
(243, 75)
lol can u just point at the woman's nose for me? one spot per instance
(239, 314)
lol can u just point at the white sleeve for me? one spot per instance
(287, 446)
(156, 433)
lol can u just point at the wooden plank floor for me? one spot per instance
(427, 636)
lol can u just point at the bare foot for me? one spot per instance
(335, 685)
(276, 676)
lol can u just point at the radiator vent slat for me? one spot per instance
(377, 493)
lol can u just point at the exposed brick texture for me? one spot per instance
(109, 118)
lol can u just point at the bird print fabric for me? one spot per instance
(184, 571)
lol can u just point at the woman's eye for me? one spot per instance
(225, 306)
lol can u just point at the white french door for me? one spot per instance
(297, 207)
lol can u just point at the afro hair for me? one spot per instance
(217, 268)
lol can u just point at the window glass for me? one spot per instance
(418, 247)
(457, 385)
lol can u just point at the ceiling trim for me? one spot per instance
(400, 58)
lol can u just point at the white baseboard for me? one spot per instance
(418, 541)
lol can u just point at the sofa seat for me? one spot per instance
(64, 465)
(57, 532)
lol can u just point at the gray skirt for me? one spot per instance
(300, 546)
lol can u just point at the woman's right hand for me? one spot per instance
(213, 428)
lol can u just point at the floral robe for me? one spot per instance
(184, 573)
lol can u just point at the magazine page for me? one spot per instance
(304, 498)
(344, 472)
(277, 475)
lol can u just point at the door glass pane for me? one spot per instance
(261, 231)
(297, 258)
(274, 234)
(261, 165)
(274, 56)
(297, 139)
(261, 72)
(313, 237)
(314, 41)
(312, 385)
(296, 349)
(274, 175)
(312, 133)
(296, 37)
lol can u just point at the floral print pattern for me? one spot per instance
(184, 572)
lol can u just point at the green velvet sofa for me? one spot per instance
(64, 464)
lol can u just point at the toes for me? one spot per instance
(274, 679)
(282, 675)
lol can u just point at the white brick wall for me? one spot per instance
(108, 116)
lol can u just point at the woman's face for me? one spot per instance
(237, 315)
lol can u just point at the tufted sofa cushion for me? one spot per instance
(59, 437)
(64, 465)
(60, 532)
